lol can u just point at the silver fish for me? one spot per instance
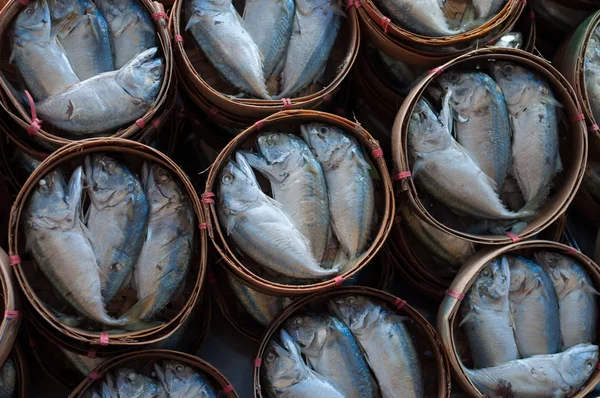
(386, 342)
(481, 123)
(83, 363)
(117, 219)
(330, 349)
(297, 183)
(349, 183)
(534, 307)
(446, 170)
(222, 35)
(424, 17)
(168, 247)
(83, 33)
(258, 225)
(38, 55)
(262, 307)
(315, 28)
(8, 379)
(552, 376)
(592, 73)
(134, 385)
(577, 302)
(511, 194)
(285, 374)
(132, 30)
(510, 40)
(269, 23)
(109, 100)
(591, 178)
(486, 317)
(534, 116)
(182, 381)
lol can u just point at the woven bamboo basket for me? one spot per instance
(437, 383)
(52, 138)
(427, 51)
(47, 346)
(9, 327)
(5, 203)
(37, 288)
(289, 121)
(379, 274)
(21, 385)
(448, 321)
(573, 147)
(210, 92)
(143, 362)
(415, 258)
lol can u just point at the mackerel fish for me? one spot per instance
(330, 349)
(486, 317)
(297, 183)
(386, 342)
(349, 184)
(83, 33)
(424, 17)
(132, 30)
(37, 53)
(533, 306)
(260, 228)
(182, 381)
(132, 384)
(222, 35)
(534, 115)
(117, 219)
(577, 301)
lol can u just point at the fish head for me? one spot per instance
(493, 283)
(130, 383)
(196, 10)
(577, 364)
(513, 79)
(280, 148)
(177, 376)
(469, 89)
(566, 274)
(525, 275)
(238, 188)
(282, 362)
(108, 180)
(33, 22)
(162, 190)
(357, 312)
(142, 76)
(309, 331)
(329, 144)
(426, 132)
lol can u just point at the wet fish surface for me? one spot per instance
(297, 183)
(315, 28)
(553, 375)
(125, 95)
(132, 30)
(534, 307)
(577, 298)
(386, 342)
(117, 219)
(83, 33)
(424, 17)
(486, 317)
(8, 379)
(533, 110)
(37, 53)
(349, 184)
(330, 349)
(285, 374)
(180, 380)
(222, 35)
(169, 245)
(258, 225)
(132, 384)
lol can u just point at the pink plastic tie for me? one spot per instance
(214, 111)
(531, 14)
(571, 250)
(202, 226)
(24, 2)
(524, 2)
(140, 123)
(257, 362)
(577, 118)
(259, 125)
(327, 98)
(594, 127)
(159, 15)
(397, 220)
(178, 39)
(91, 354)
(228, 388)
(95, 375)
(156, 123)
(287, 103)
(514, 237)
(402, 175)
(453, 293)
(338, 280)
(377, 153)
(15, 260)
(399, 303)
(598, 365)
(207, 198)
(11, 314)
(103, 339)
(36, 124)
(491, 41)
(437, 70)
(385, 23)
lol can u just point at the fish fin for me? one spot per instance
(194, 19)
(230, 224)
(72, 111)
(586, 287)
(548, 99)
(94, 28)
(471, 314)
(458, 117)
(336, 9)
(310, 166)
(274, 202)
(12, 54)
(417, 167)
(296, 25)
(133, 317)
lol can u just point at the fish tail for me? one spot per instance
(133, 319)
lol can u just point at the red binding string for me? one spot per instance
(91, 354)
(257, 362)
(104, 339)
(287, 103)
(202, 225)
(36, 124)
(159, 15)
(531, 14)
(24, 2)
(437, 70)
(259, 125)
(594, 127)
(11, 314)
(577, 118)
(571, 250)
(327, 98)
(15, 260)
(140, 123)
(207, 198)
(402, 175)
(377, 153)
(514, 237)
(385, 23)
(399, 303)
(338, 280)
(453, 293)
(214, 111)
(228, 388)
(178, 39)
(95, 375)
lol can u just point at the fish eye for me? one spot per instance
(132, 376)
(351, 300)
(179, 367)
(271, 356)
(29, 11)
(454, 77)
(323, 130)
(227, 179)
(110, 165)
(485, 272)
(298, 322)
(156, 72)
(272, 138)
(43, 186)
(508, 69)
